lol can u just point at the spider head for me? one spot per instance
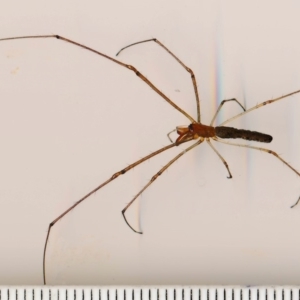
(186, 133)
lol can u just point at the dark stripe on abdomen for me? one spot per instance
(234, 133)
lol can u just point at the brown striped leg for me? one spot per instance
(155, 177)
(113, 177)
(129, 67)
(180, 62)
(259, 106)
(264, 150)
(220, 106)
(222, 159)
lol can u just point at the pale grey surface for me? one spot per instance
(70, 119)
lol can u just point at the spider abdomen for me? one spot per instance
(225, 132)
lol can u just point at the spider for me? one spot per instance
(195, 131)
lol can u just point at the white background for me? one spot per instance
(69, 119)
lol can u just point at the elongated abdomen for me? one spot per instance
(234, 133)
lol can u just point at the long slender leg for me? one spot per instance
(295, 203)
(220, 156)
(265, 150)
(258, 106)
(220, 106)
(155, 177)
(113, 177)
(179, 61)
(129, 67)
(261, 149)
(170, 134)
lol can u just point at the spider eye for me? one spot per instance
(191, 128)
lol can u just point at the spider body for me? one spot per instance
(198, 130)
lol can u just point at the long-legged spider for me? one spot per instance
(194, 131)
